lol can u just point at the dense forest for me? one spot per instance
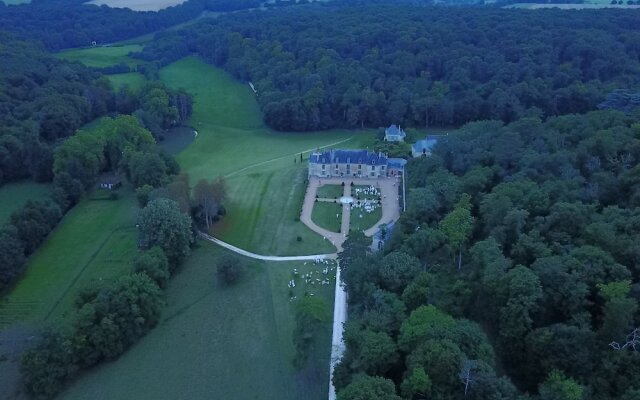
(334, 65)
(515, 269)
(42, 100)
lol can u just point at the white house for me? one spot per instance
(394, 134)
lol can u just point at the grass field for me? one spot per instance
(215, 343)
(102, 56)
(94, 241)
(265, 179)
(132, 79)
(327, 215)
(14, 195)
(330, 191)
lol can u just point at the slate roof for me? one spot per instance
(348, 156)
(393, 130)
(396, 163)
(425, 144)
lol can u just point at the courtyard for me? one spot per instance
(370, 202)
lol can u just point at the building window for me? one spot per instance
(373, 174)
(323, 166)
(373, 167)
(359, 166)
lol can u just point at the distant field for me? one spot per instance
(94, 241)
(593, 5)
(100, 56)
(132, 79)
(14, 195)
(214, 343)
(138, 5)
(16, 2)
(266, 186)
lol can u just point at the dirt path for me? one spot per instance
(249, 254)
(339, 318)
(287, 156)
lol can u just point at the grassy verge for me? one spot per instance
(229, 343)
(330, 191)
(327, 215)
(15, 195)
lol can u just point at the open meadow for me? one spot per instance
(107, 56)
(102, 56)
(262, 169)
(220, 343)
(15, 195)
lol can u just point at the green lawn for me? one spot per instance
(14, 195)
(327, 215)
(361, 220)
(330, 191)
(220, 343)
(94, 241)
(265, 179)
(132, 79)
(102, 56)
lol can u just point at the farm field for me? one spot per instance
(327, 215)
(94, 241)
(138, 5)
(102, 56)
(15, 195)
(265, 180)
(223, 343)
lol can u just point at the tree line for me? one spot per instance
(514, 271)
(337, 65)
(109, 318)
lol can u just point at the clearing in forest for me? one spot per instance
(15, 195)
